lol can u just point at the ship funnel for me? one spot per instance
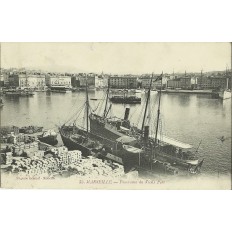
(146, 132)
(127, 111)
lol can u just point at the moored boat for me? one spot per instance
(75, 138)
(78, 138)
(126, 99)
(154, 147)
(19, 92)
(60, 89)
(49, 137)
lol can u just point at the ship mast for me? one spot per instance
(148, 98)
(107, 96)
(158, 112)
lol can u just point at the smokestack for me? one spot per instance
(146, 132)
(127, 111)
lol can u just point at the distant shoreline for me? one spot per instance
(188, 91)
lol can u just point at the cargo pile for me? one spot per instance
(33, 162)
(35, 166)
(6, 158)
(8, 132)
(66, 157)
(8, 129)
(14, 138)
(25, 149)
(30, 129)
(93, 167)
(28, 160)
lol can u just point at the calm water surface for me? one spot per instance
(188, 118)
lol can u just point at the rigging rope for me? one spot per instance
(99, 107)
(74, 114)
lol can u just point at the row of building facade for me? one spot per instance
(211, 82)
(41, 81)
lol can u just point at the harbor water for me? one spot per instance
(193, 119)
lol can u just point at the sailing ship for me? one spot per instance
(79, 138)
(90, 143)
(148, 149)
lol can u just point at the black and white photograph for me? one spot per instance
(116, 115)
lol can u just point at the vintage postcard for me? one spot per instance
(116, 115)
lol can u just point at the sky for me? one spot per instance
(117, 58)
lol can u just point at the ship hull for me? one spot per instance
(125, 101)
(143, 162)
(102, 130)
(74, 145)
(51, 140)
(60, 91)
(107, 149)
(177, 161)
(16, 94)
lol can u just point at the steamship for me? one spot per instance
(147, 149)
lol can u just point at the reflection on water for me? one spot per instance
(189, 118)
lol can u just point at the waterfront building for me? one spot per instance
(40, 84)
(145, 81)
(123, 82)
(79, 80)
(204, 82)
(220, 82)
(173, 84)
(183, 82)
(188, 82)
(91, 79)
(34, 81)
(157, 84)
(4, 76)
(75, 82)
(214, 82)
(58, 80)
(101, 81)
(13, 80)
